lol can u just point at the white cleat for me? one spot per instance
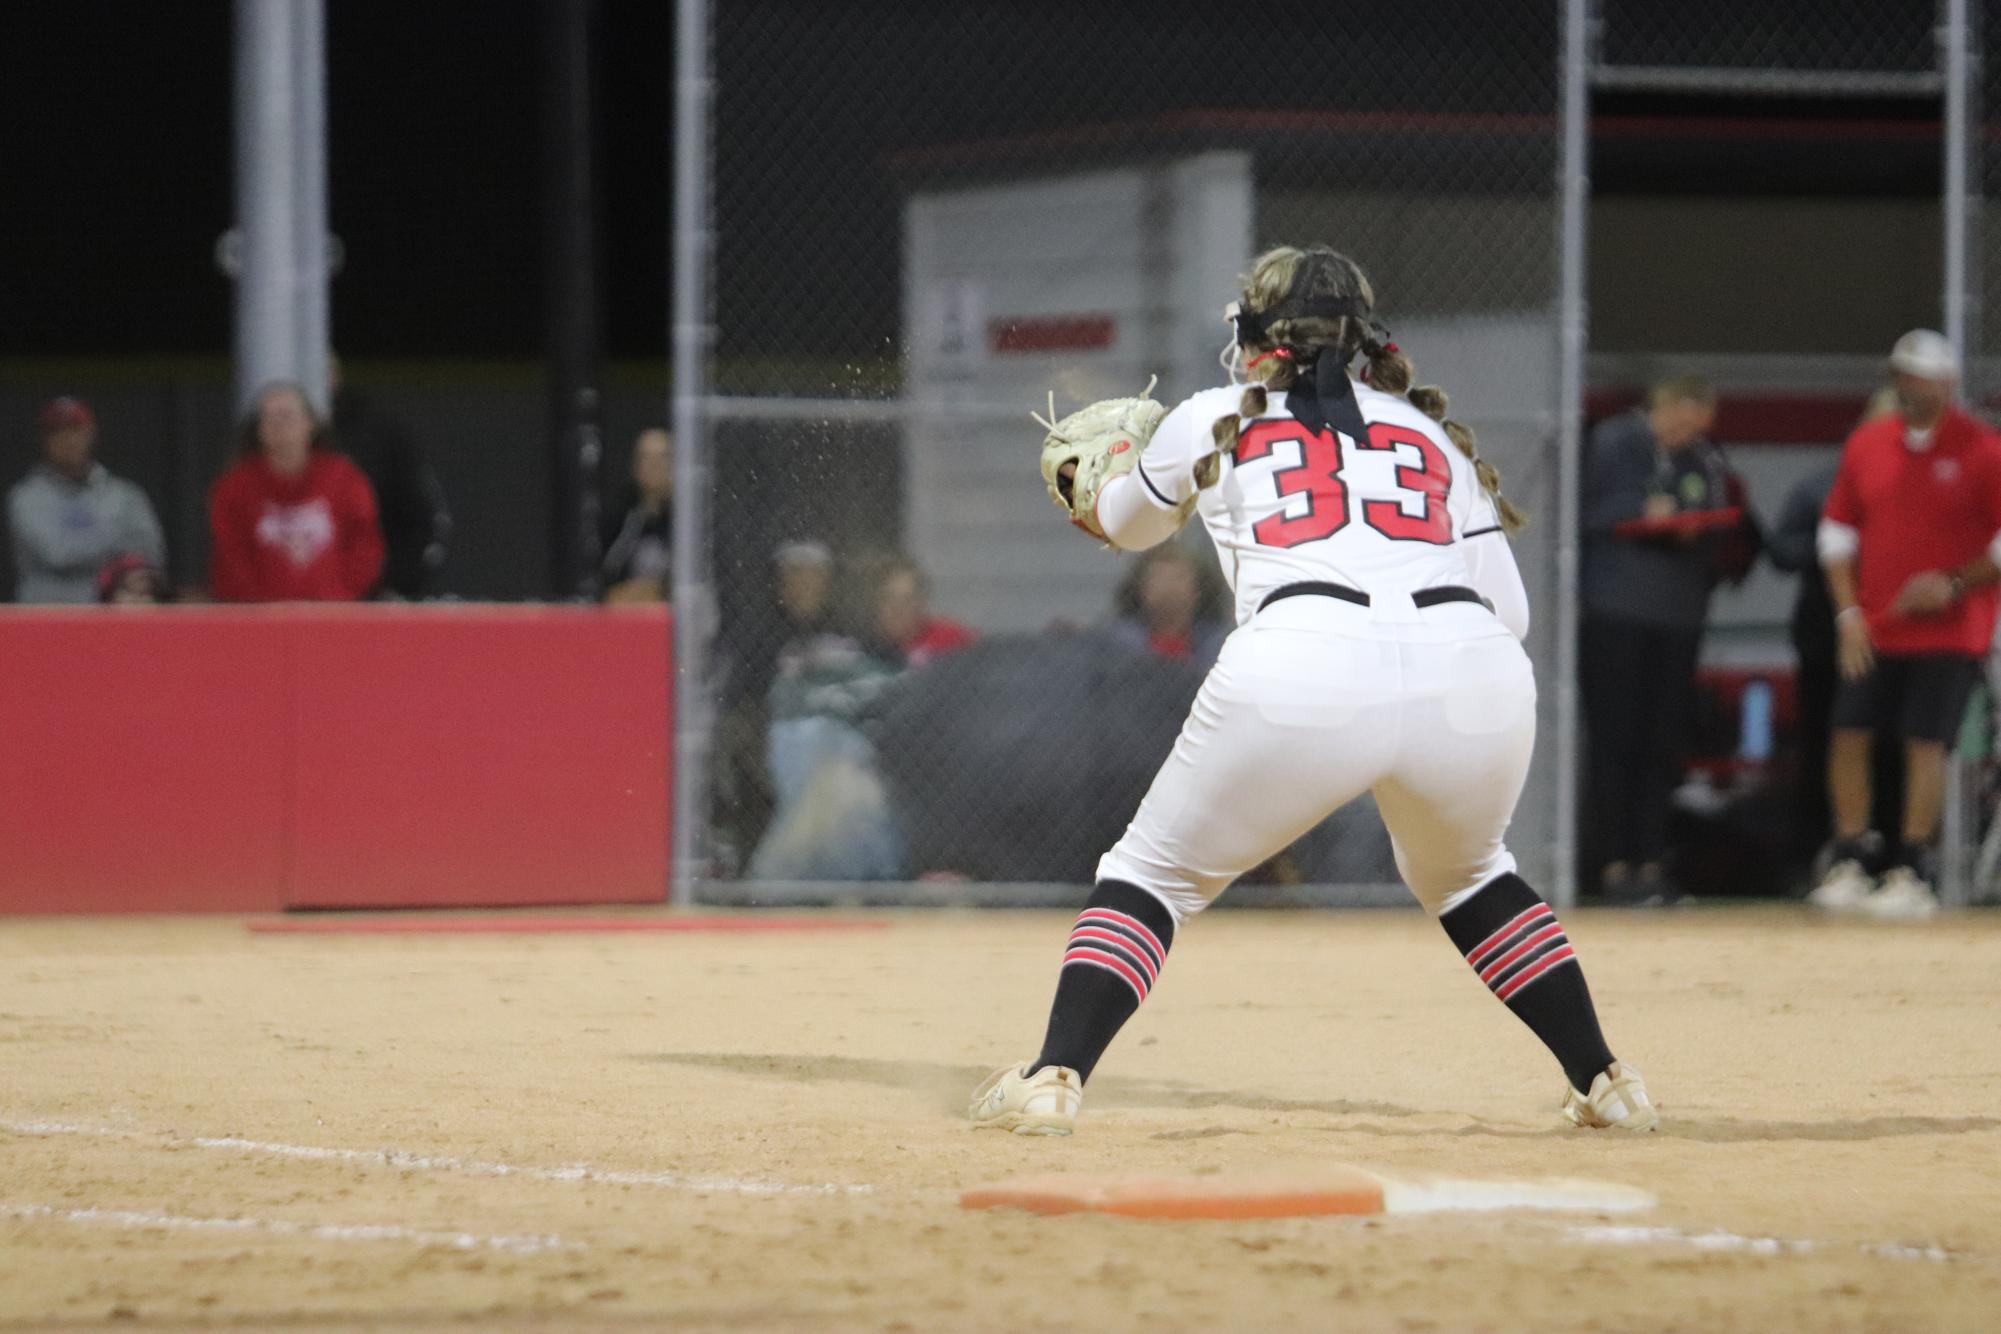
(1043, 1103)
(1904, 897)
(1845, 888)
(1617, 1100)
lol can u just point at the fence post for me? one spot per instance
(694, 605)
(281, 196)
(1573, 195)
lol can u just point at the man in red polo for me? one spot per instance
(1909, 540)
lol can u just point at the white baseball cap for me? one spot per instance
(803, 551)
(1925, 354)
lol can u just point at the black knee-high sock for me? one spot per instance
(1515, 944)
(1114, 957)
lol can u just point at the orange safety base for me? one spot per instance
(1335, 1190)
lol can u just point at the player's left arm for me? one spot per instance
(1148, 505)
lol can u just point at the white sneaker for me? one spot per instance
(1845, 888)
(1904, 897)
(1044, 1103)
(1617, 1100)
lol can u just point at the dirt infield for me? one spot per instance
(203, 1126)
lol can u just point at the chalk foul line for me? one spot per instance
(1734, 1243)
(405, 1161)
(147, 1221)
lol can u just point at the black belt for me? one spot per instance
(1423, 597)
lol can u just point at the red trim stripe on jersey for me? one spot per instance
(1120, 944)
(1528, 946)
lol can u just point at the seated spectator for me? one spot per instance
(69, 515)
(805, 585)
(132, 581)
(1170, 604)
(409, 499)
(901, 626)
(292, 520)
(794, 603)
(832, 819)
(639, 535)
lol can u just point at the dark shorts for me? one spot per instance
(1920, 697)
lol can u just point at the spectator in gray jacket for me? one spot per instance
(70, 516)
(1646, 598)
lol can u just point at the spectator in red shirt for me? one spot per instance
(900, 619)
(1909, 541)
(292, 520)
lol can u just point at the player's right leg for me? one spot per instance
(1469, 729)
(1287, 727)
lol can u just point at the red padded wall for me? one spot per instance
(506, 759)
(143, 762)
(250, 759)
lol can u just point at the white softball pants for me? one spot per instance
(1315, 701)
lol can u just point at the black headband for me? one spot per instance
(1321, 397)
(1253, 325)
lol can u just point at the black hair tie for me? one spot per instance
(1325, 400)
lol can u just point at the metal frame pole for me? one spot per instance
(572, 302)
(1573, 193)
(279, 255)
(264, 193)
(1959, 305)
(694, 602)
(1955, 201)
(311, 337)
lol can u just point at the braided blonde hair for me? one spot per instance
(1286, 344)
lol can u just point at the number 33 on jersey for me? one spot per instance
(1388, 512)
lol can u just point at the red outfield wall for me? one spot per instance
(258, 758)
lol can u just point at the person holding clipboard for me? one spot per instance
(1662, 517)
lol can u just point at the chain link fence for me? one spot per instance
(925, 218)
(1909, 79)
(1799, 48)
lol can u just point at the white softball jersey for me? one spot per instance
(1315, 700)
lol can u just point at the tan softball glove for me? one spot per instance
(1091, 446)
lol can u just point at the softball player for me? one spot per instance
(1379, 614)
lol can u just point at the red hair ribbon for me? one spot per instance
(1263, 357)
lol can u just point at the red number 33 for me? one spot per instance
(1317, 477)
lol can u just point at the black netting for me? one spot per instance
(926, 216)
(1844, 37)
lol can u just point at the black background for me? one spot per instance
(115, 134)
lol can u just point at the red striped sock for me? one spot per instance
(1515, 945)
(1112, 960)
